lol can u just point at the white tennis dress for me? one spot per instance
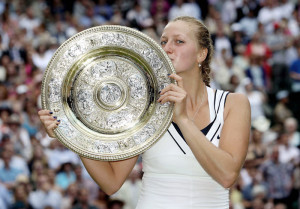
(173, 178)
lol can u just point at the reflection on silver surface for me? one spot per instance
(103, 84)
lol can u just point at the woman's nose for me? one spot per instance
(168, 48)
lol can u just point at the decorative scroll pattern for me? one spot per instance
(112, 82)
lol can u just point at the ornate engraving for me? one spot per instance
(110, 94)
(103, 84)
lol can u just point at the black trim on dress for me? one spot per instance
(215, 132)
(176, 142)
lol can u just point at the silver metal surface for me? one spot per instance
(103, 85)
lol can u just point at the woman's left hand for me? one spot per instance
(177, 94)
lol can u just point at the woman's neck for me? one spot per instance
(194, 86)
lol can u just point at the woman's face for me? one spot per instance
(179, 42)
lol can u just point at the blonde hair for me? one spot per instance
(204, 41)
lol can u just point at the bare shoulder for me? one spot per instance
(236, 103)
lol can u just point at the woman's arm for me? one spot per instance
(110, 176)
(223, 163)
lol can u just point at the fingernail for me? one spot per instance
(51, 112)
(58, 120)
(54, 117)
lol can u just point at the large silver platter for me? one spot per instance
(103, 85)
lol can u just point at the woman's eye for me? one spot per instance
(179, 42)
(163, 43)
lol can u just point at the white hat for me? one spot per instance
(236, 27)
(258, 189)
(21, 89)
(282, 94)
(261, 124)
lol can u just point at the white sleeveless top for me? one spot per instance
(173, 178)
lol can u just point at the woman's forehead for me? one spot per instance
(179, 28)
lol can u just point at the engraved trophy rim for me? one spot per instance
(103, 84)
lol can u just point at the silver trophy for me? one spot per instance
(103, 84)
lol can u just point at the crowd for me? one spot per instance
(257, 53)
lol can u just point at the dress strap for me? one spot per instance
(210, 95)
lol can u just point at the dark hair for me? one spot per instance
(114, 202)
(204, 41)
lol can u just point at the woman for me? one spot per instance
(201, 154)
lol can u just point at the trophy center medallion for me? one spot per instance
(110, 94)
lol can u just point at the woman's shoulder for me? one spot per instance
(233, 97)
(236, 102)
(238, 97)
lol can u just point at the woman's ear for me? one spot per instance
(202, 55)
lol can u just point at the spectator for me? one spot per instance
(138, 17)
(237, 37)
(101, 200)
(37, 155)
(70, 197)
(281, 110)
(83, 200)
(279, 42)
(57, 154)
(15, 160)
(65, 175)
(28, 21)
(86, 182)
(8, 174)
(160, 9)
(264, 33)
(295, 71)
(6, 198)
(256, 99)
(240, 59)
(41, 57)
(115, 204)
(257, 73)
(192, 7)
(20, 198)
(290, 128)
(287, 152)
(19, 137)
(103, 9)
(45, 193)
(222, 42)
(90, 19)
(257, 148)
(38, 168)
(183, 8)
(259, 53)
(249, 24)
(269, 14)
(229, 11)
(278, 178)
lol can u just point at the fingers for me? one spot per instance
(51, 125)
(171, 96)
(178, 79)
(174, 99)
(172, 87)
(49, 121)
(173, 93)
(47, 117)
(44, 112)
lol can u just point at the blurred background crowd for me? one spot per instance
(257, 53)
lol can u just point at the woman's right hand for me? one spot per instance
(49, 121)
